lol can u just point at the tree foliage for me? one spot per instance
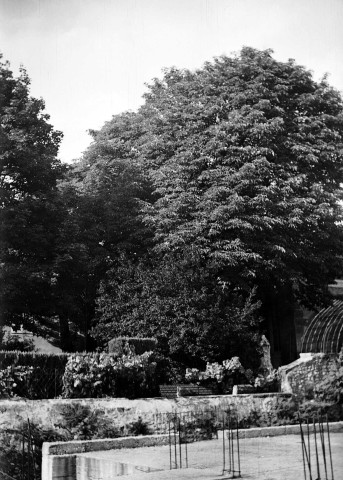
(182, 303)
(224, 184)
(244, 158)
(29, 216)
(247, 165)
(29, 144)
(101, 203)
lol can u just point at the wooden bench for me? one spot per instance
(183, 390)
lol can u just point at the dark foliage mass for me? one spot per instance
(182, 304)
(29, 212)
(190, 220)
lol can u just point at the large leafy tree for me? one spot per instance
(180, 301)
(29, 213)
(101, 197)
(245, 158)
(248, 165)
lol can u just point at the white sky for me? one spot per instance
(89, 59)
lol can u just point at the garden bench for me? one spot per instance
(183, 390)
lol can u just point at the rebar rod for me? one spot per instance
(186, 450)
(28, 459)
(170, 445)
(329, 443)
(180, 452)
(316, 447)
(303, 457)
(230, 440)
(23, 458)
(322, 439)
(175, 449)
(31, 452)
(232, 448)
(303, 448)
(238, 452)
(309, 448)
(308, 460)
(223, 443)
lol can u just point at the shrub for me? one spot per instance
(331, 389)
(204, 427)
(168, 371)
(288, 411)
(267, 383)
(45, 379)
(139, 427)
(314, 408)
(220, 378)
(120, 346)
(101, 375)
(17, 463)
(14, 380)
(80, 422)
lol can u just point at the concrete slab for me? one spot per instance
(262, 458)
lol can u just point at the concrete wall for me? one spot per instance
(61, 460)
(301, 376)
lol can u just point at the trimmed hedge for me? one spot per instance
(125, 345)
(31, 375)
(32, 359)
(40, 375)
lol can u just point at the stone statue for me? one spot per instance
(266, 366)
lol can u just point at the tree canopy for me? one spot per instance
(29, 217)
(244, 158)
(29, 144)
(220, 195)
(182, 303)
(249, 169)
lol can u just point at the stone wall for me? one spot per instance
(122, 412)
(301, 376)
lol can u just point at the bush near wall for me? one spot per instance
(289, 412)
(125, 345)
(31, 375)
(222, 377)
(330, 389)
(99, 375)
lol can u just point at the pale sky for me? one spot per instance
(89, 59)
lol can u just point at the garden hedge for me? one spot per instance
(31, 375)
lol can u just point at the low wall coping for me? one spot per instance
(122, 400)
(83, 446)
(286, 430)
